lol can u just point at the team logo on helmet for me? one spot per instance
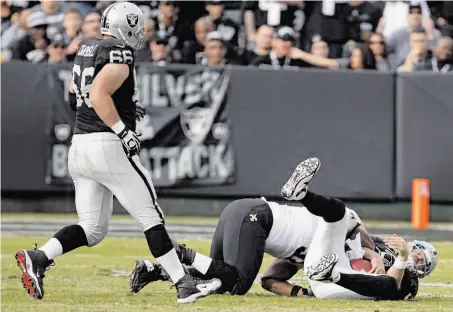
(132, 19)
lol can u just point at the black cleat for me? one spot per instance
(146, 272)
(33, 264)
(190, 288)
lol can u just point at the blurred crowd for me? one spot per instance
(333, 34)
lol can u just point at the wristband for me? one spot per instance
(118, 127)
(295, 290)
(400, 264)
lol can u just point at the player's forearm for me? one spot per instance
(397, 270)
(365, 238)
(283, 288)
(104, 108)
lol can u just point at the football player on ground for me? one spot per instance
(328, 267)
(103, 158)
(247, 229)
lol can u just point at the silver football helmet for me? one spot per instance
(422, 257)
(124, 21)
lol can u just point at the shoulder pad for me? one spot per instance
(114, 51)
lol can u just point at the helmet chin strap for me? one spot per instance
(122, 36)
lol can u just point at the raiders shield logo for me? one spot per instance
(196, 123)
(62, 132)
(132, 19)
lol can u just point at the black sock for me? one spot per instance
(159, 243)
(381, 286)
(71, 237)
(228, 274)
(329, 208)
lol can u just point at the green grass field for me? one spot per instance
(95, 279)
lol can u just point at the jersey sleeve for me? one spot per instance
(114, 52)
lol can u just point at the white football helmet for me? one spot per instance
(422, 257)
(124, 21)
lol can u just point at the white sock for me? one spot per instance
(52, 248)
(172, 265)
(201, 263)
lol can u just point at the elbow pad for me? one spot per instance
(72, 101)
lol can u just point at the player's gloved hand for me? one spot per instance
(129, 138)
(140, 111)
(398, 244)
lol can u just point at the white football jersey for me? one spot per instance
(292, 231)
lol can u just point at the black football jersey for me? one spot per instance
(409, 284)
(91, 57)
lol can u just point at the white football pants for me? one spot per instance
(330, 238)
(100, 169)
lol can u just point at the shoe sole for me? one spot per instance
(332, 261)
(29, 279)
(214, 286)
(303, 173)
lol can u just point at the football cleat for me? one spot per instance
(33, 264)
(190, 288)
(296, 187)
(324, 270)
(146, 272)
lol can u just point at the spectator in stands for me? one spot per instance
(36, 31)
(319, 47)
(72, 34)
(56, 51)
(280, 56)
(263, 40)
(144, 54)
(443, 16)
(215, 50)
(50, 13)
(225, 26)
(272, 13)
(363, 18)
(395, 16)
(378, 47)
(443, 56)
(398, 42)
(419, 56)
(193, 52)
(91, 27)
(12, 31)
(329, 20)
(170, 27)
(160, 52)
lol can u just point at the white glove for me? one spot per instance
(129, 138)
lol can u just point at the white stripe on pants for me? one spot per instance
(100, 169)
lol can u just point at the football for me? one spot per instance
(361, 265)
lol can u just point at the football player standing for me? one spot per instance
(103, 159)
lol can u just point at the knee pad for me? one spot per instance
(95, 233)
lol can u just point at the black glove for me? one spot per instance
(130, 141)
(140, 111)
